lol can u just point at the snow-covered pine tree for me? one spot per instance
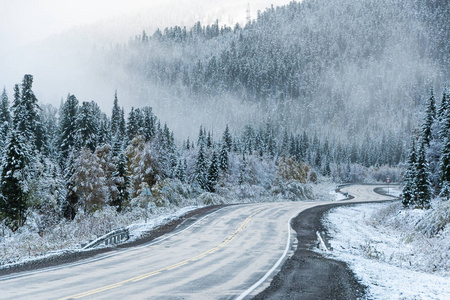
(148, 123)
(430, 116)
(121, 179)
(5, 118)
(223, 158)
(213, 173)
(87, 126)
(201, 137)
(67, 128)
(180, 171)
(201, 168)
(422, 184)
(49, 121)
(14, 180)
(445, 156)
(26, 114)
(69, 205)
(133, 125)
(409, 190)
(116, 116)
(227, 140)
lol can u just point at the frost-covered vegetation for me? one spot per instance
(400, 253)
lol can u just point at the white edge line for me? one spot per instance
(107, 255)
(254, 286)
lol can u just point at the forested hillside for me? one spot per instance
(351, 70)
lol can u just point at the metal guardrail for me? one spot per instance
(114, 237)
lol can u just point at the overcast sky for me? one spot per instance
(25, 21)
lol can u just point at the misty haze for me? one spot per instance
(129, 128)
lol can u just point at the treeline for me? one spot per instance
(59, 162)
(428, 168)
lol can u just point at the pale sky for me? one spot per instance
(24, 21)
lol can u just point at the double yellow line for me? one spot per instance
(169, 268)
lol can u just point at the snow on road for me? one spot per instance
(390, 265)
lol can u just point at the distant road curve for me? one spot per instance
(308, 274)
(231, 253)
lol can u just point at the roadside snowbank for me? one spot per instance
(27, 245)
(397, 253)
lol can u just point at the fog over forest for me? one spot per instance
(368, 75)
(56, 43)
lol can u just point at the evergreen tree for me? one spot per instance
(227, 139)
(69, 205)
(201, 137)
(209, 140)
(26, 114)
(445, 156)
(409, 177)
(87, 126)
(67, 127)
(422, 184)
(148, 129)
(133, 125)
(5, 118)
(201, 168)
(223, 158)
(121, 178)
(116, 116)
(14, 181)
(213, 173)
(180, 171)
(430, 115)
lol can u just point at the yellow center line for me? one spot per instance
(169, 268)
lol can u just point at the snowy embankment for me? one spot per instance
(27, 245)
(397, 253)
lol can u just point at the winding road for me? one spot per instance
(231, 253)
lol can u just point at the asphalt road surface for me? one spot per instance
(231, 253)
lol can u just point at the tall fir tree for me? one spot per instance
(26, 114)
(422, 184)
(223, 158)
(67, 128)
(5, 118)
(14, 181)
(213, 173)
(430, 116)
(227, 140)
(121, 178)
(87, 126)
(201, 168)
(116, 116)
(408, 191)
(445, 156)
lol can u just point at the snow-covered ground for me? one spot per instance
(26, 245)
(397, 253)
(337, 196)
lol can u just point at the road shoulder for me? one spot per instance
(309, 275)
